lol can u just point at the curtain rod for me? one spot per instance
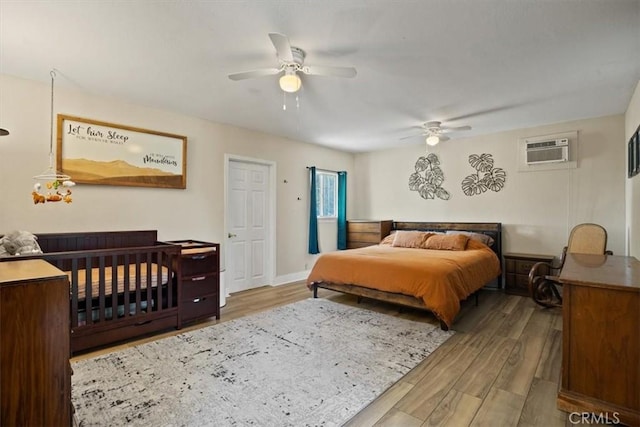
(324, 170)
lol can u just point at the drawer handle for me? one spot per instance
(197, 257)
(197, 300)
(196, 279)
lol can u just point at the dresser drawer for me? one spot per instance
(199, 263)
(522, 263)
(517, 284)
(364, 227)
(197, 286)
(510, 265)
(371, 238)
(522, 284)
(202, 307)
(524, 266)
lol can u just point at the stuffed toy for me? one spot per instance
(37, 197)
(19, 243)
(52, 197)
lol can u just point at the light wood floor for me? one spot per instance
(501, 368)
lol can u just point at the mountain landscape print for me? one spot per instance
(118, 172)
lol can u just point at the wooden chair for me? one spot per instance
(584, 239)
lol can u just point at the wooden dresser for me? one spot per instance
(362, 232)
(516, 271)
(35, 375)
(200, 272)
(601, 337)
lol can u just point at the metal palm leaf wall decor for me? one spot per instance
(428, 178)
(486, 177)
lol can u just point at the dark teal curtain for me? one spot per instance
(313, 214)
(342, 210)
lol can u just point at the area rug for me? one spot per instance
(311, 363)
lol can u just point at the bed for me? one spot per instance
(123, 284)
(423, 276)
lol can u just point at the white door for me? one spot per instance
(247, 225)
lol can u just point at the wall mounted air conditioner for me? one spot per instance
(551, 151)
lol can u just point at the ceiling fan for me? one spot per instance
(434, 132)
(291, 62)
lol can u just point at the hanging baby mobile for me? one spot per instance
(57, 184)
(486, 177)
(428, 178)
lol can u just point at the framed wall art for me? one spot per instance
(95, 152)
(634, 154)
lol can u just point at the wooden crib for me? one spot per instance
(123, 284)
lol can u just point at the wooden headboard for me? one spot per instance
(492, 229)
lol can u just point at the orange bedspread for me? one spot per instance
(440, 278)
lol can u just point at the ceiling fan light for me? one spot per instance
(290, 82)
(432, 140)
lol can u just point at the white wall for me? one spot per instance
(195, 213)
(632, 186)
(537, 209)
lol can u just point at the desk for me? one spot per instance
(601, 330)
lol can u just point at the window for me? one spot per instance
(327, 194)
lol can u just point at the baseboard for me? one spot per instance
(290, 278)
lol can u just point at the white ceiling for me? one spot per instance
(492, 64)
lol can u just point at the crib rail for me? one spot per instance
(115, 291)
(123, 284)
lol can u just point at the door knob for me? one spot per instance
(232, 235)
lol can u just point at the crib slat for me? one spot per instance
(101, 288)
(127, 284)
(88, 292)
(114, 287)
(149, 282)
(138, 289)
(74, 292)
(159, 280)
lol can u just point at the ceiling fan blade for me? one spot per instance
(413, 136)
(454, 129)
(282, 45)
(254, 73)
(443, 138)
(330, 71)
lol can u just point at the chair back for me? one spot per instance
(587, 239)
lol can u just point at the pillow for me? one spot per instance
(389, 239)
(482, 238)
(451, 242)
(410, 239)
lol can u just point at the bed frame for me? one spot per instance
(104, 317)
(493, 229)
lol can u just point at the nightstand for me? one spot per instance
(516, 271)
(200, 272)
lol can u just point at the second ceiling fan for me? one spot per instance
(434, 132)
(291, 63)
